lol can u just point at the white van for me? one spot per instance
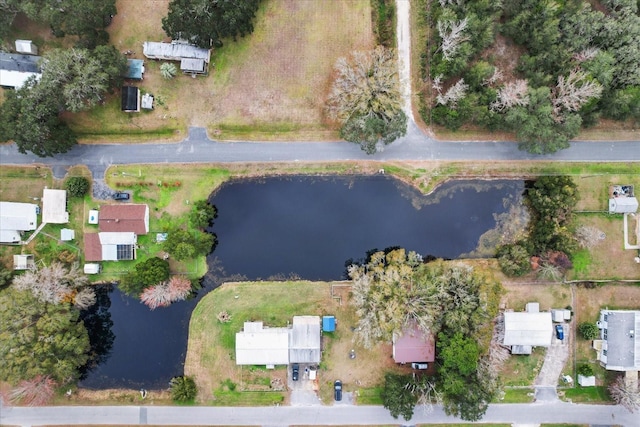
(420, 365)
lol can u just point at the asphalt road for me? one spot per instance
(310, 415)
(198, 148)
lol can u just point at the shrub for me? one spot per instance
(77, 186)
(514, 259)
(183, 389)
(588, 330)
(585, 370)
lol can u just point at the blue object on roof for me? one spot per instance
(135, 69)
(328, 323)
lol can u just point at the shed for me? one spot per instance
(623, 205)
(93, 216)
(587, 381)
(257, 345)
(54, 206)
(66, 234)
(91, 268)
(147, 101)
(193, 66)
(135, 69)
(15, 69)
(560, 315)
(23, 262)
(328, 323)
(130, 99)
(304, 340)
(27, 47)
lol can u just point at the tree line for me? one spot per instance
(577, 65)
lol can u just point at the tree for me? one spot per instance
(30, 117)
(514, 259)
(182, 244)
(183, 389)
(397, 397)
(589, 330)
(163, 294)
(77, 186)
(386, 297)
(512, 94)
(150, 272)
(40, 339)
(365, 98)
(5, 276)
(83, 77)
(454, 94)
(206, 23)
(572, 92)
(451, 34)
(36, 391)
(56, 284)
(625, 393)
(168, 70)
(585, 370)
(588, 236)
(202, 214)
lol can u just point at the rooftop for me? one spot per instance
(622, 342)
(528, 329)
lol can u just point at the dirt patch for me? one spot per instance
(517, 295)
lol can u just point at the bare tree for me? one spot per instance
(494, 78)
(586, 54)
(426, 391)
(451, 33)
(84, 298)
(589, 236)
(512, 94)
(177, 288)
(572, 92)
(53, 284)
(625, 393)
(37, 391)
(454, 94)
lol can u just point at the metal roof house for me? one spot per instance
(413, 346)
(623, 205)
(257, 345)
(16, 218)
(527, 329)
(193, 59)
(15, 69)
(304, 340)
(54, 206)
(110, 246)
(124, 217)
(620, 350)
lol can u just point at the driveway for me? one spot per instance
(554, 361)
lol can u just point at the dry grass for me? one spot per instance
(594, 188)
(517, 295)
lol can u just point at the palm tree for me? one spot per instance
(168, 70)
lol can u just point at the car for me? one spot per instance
(295, 372)
(337, 390)
(559, 332)
(121, 195)
(420, 365)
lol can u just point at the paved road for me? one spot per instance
(310, 415)
(197, 148)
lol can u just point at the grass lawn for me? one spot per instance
(521, 370)
(211, 346)
(517, 395)
(579, 394)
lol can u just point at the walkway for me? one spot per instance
(554, 360)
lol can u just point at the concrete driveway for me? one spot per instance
(554, 361)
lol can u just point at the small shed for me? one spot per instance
(91, 268)
(560, 315)
(135, 69)
(328, 323)
(67, 234)
(27, 47)
(623, 205)
(93, 216)
(587, 381)
(23, 262)
(147, 101)
(130, 99)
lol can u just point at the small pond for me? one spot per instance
(305, 227)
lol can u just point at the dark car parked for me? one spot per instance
(120, 195)
(559, 332)
(337, 390)
(295, 372)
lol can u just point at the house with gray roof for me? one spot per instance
(193, 59)
(16, 218)
(619, 349)
(528, 329)
(15, 69)
(304, 340)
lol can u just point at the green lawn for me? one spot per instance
(521, 370)
(579, 394)
(517, 395)
(369, 396)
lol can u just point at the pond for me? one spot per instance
(298, 227)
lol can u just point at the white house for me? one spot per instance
(620, 346)
(257, 345)
(54, 206)
(16, 218)
(15, 69)
(304, 340)
(524, 330)
(110, 246)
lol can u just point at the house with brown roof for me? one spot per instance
(124, 218)
(110, 246)
(414, 345)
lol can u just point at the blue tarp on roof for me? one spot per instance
(135, 69)
(328, 323)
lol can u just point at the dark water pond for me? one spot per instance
(303, 227)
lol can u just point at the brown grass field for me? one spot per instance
(269, 85)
